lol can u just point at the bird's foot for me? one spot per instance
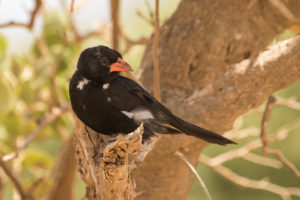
(146, 148)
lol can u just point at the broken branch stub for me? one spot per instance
(103, 162)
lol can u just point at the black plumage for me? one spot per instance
(110, 103)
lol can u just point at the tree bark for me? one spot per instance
(205, 80)
(103, 162)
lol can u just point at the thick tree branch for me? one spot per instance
(204, 55)
(247, 85)
(260, 77)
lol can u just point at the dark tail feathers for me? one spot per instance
(198, 132)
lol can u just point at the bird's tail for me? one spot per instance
(198, 132)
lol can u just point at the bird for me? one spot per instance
(110, 103)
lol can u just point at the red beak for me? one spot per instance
(120, 66)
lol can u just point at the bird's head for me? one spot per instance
(101, 62)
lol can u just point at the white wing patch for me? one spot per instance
(142, 114)
(82, 83)
(139, 114)
(128, 114)
(105, 86)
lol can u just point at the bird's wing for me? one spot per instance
(135, 102)
(127, 95)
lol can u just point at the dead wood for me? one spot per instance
(103, 162)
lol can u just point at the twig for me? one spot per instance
(290, 103)
(230, 155)
(266, 117)
(115, 10)
(79, 38)
(265, 140)
(130, 43)
(29, 25)
(49, 117)
(283, 10)
(150, 11)
(72, 6)
(283, 159)
(20, 188)
(201, 182)
(149, 20)
(156, 75)
(261, 160)
(243, 133)
(142, 16)
(254, 144)
(284, 192)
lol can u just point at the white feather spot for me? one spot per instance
(139, 114)
(108, 99)
(128, 114)
(105, 86)
(82, 83)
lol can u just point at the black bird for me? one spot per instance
(109, 103)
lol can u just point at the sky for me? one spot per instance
(91, 15)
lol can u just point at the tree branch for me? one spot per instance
(115, 11)
(260, 76)
(207, 55)
(156, 73)
(19, 187)
(201, 182)
(33, 14)
(285, 192)
(265, 139)
(103, 162)
(49, 117)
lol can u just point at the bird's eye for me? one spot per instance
(98, 55)
(104, 61)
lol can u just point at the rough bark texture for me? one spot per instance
(103, 162)
(200, 46)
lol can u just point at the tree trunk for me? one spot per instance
(205, 80)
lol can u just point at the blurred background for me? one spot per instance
(37, 61)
